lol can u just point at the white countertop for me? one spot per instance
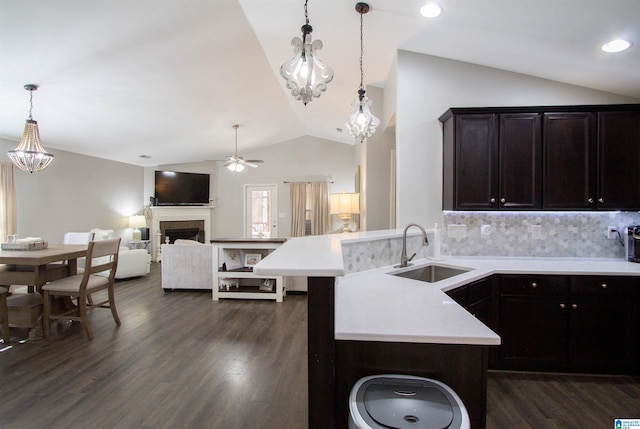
(375, 306)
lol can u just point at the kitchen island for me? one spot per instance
(369, 322)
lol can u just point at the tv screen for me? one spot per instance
(181, 189)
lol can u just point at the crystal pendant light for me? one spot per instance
(306, 75)
(30, 155)
(362, 123)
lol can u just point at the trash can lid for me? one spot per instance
(407, 405)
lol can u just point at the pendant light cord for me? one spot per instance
(361, 54)
(30, 104)
(306, 14)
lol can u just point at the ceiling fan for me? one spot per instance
(236, 162)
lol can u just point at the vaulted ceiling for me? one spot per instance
(168, 78)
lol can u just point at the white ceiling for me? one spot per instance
(169, 78)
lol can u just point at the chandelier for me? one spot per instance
(306, 75)
(362, 123)
(30, 155)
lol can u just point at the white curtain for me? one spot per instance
(298, 208)
(319, 206)
(8, 204)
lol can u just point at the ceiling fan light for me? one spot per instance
(235, 167)
(431, 10)
(617, 45)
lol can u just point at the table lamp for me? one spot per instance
(345, 205)
(137, 222)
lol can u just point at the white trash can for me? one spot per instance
(405, 402)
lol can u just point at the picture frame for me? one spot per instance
(266, 285)
(251, 259)
(232, 259)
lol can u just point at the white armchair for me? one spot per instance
(187, 265)
(131, 263)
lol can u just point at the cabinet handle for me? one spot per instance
(492, 200)
(502, 200)
(574, 306)
(562, 306)
(601, 200)
(590, 200)
(534, 285)
(603, 285)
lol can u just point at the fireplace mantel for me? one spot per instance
(166, 213)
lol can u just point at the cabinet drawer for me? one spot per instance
(535, 285)
(597, 285)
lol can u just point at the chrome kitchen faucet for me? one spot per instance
(404, 261)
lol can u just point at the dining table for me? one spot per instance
(34, 268)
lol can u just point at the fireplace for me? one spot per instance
(173, 230)
(179, 218)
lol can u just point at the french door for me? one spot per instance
(260, 211)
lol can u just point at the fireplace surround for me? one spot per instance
(179, 218)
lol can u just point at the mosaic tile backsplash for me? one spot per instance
(366, 255)
(536, 234)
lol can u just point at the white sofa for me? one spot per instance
(131, 263)
(187, 264)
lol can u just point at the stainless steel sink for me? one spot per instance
(431, 273)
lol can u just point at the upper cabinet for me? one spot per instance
(542, 158)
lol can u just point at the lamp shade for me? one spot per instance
(345, 203)
(137, 221)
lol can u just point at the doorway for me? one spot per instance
(260, 211)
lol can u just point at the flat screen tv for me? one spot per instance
(181, 189)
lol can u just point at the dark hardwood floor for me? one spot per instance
(180, 360)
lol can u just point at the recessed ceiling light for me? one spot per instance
(616, 45)
(431, 10)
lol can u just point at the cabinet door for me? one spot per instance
(533, 330)
(569, 177)
(600, 334)
(520, 161)
(619, 160)
(476, 162)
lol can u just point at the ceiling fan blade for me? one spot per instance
(255, 161)
(250, 164)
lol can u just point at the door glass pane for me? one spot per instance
(261, 214)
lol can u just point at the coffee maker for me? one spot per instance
(632, 243)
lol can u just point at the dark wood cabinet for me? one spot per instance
(602, 324)
(496, 161)
(619, 160)
(533, 323)
(549, 158)
(573, 324)
(569, 147)
(520, 164)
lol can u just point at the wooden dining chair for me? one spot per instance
(4, 314)
(102, 255)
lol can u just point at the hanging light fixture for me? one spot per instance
(30, 155)
(362, 123)
(306, 75)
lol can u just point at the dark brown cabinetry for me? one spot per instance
(476, 298)
(553, 158)
(496, 161)
(576, 323)
(619, 160)
(569, 148)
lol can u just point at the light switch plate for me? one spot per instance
(536, 232)
(457, 230)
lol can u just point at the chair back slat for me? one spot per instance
(102, 255)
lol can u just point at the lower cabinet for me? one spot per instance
(569, 323)
(559, 323)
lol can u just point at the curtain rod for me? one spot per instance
(328, 181)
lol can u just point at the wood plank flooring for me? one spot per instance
(180, 360)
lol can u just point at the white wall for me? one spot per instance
(303, 159)
(76, 193)
(374, 158)
(426, 87)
